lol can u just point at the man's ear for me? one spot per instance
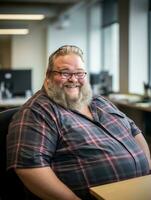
(47, 80)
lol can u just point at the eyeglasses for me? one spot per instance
(67, 75)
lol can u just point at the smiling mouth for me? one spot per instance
(71, 86)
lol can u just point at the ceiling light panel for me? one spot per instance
(21, 17)
(14, 31)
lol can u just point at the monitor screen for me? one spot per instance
(17, 81)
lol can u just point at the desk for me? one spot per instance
(13, 102)
(132, 189)
(138, 106)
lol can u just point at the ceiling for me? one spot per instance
(52, 9)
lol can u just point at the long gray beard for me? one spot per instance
(60, 97)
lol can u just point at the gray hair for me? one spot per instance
(62, 51)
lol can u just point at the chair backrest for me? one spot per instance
(5, 118)
(11, 186)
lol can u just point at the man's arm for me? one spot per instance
(44, 183)
(143, 144)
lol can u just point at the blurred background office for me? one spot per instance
(115, 36)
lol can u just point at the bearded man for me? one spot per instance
(63, 141)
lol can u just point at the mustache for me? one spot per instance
(71, 85)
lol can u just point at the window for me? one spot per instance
(110, 41)
(111, 53)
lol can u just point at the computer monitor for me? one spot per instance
(105, 83)
(16, 81)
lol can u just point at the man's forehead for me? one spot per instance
(69, 65)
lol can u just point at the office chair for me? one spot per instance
(11, 186)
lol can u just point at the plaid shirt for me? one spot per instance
(82, 152)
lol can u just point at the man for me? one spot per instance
(63, 141)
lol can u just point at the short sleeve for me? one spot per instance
(31, 141)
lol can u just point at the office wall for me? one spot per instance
(94, 17)
(29, 51)
(5, 52)
(138, 45)
(74, 34)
